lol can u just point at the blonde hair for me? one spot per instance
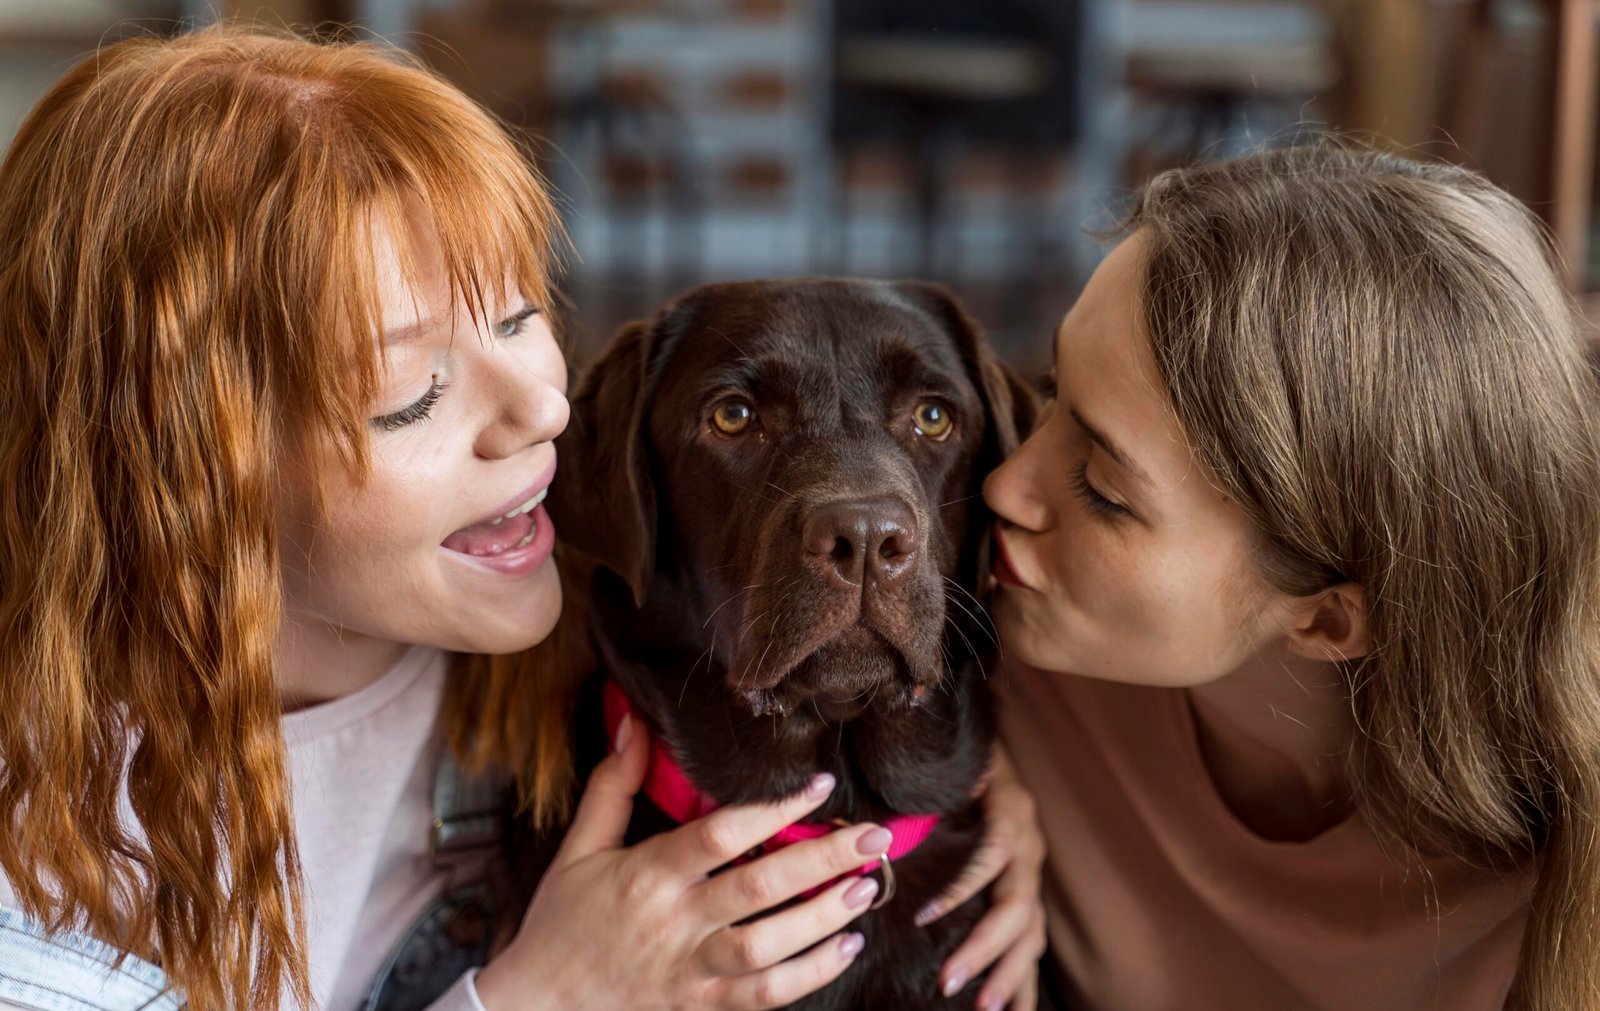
(1377, 360)
(186, 287)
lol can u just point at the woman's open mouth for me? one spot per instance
(516, 540)
(510, 531)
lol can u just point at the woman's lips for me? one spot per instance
(526, 556)
(1003, 571)
(516, 539)
(518, 506)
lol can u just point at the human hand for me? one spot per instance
(1011, 935)
(648, 927)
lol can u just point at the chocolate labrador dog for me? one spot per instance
(778, 486)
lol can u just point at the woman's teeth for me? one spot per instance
(533, 530)
(528, 506)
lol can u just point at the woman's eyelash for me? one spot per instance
(516, 321)
(1092, 498)
(414, 413)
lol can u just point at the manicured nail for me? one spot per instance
(875, 842)
(929, 913)
(955, 981)
(991, 1003)
(861, 893)
(820, 786)
(624, 733)
(850, 945)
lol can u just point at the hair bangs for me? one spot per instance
(371, 149)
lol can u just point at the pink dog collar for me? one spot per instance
(669, 788)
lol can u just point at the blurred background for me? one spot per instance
(976, 142)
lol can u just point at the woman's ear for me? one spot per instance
(1331, 625)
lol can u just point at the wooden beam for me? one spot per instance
(1572, 168)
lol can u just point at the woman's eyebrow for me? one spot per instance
(1099, 439)
(407, 332)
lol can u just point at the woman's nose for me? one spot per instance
(530, 409)
(1013, 491)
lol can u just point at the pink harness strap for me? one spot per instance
(669, 788)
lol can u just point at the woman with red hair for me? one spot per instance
(277, 406)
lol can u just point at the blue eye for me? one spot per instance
(513, 325)
(415, 412)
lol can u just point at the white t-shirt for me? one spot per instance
(361, 772)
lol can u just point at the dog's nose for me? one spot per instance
(856, 540)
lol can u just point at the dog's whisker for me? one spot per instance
(770, 636)
(958, 501)
(757, 495)
(822, 719)
(731, 599)
(963, 591)
(750, 623)
(970, 647)
(706, 656)
(975, 620)
(784, 491)
(732, 343)
(983, 619)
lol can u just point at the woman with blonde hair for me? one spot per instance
(278, 398)
(1300, 575)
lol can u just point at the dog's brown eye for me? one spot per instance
(733, 417)
(932, 421)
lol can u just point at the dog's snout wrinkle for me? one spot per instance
(859, 541)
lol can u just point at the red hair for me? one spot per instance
(187, 285)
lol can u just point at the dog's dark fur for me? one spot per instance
(799, 597)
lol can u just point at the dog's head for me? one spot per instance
(796, 465)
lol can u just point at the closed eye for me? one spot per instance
(1093, 498)
(415, 412)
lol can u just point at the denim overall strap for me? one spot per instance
(456, 931)
(74, 972)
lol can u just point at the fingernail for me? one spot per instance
(929, 913)
(820, 786)
(861, 893)
(954, 982)
(991, 1003)
(624, 733)
(875, 842)
(850, 945)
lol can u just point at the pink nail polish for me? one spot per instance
(929, 913)
(874, 842)
(624, 733)
(861, 893)
(850, 945)
(954, 982)
(820, 786)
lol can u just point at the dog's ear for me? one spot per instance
(1010, 405)
(604, 501)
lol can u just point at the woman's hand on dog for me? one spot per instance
(1011, 935)
(648, 927)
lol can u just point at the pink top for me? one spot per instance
(1159, 898)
